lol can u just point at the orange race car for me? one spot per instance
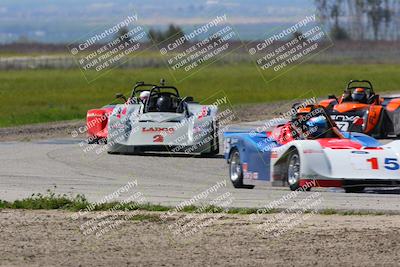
(359, 109)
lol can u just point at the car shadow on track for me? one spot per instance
(386, 191)
(166, 154)
(369, 190)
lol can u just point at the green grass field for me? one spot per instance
(34, 96)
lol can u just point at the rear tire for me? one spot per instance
(213, 152)
(235, 169)
(214, 146)
(92, 140)
(381, 128)
(293, 170)
(96, 140)
(102, 141)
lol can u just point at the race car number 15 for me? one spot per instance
(389, 164)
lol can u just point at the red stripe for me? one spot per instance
(322, 183)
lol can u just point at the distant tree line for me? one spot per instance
(159, 35)
(361, 19)
(156, 35)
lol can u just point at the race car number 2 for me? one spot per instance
(374, 163)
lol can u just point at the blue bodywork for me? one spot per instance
(255, 150)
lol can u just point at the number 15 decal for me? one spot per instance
(390, 164)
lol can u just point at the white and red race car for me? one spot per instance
(164, 122)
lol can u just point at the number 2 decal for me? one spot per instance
(390, 164)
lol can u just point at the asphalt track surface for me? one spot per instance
(62, 166)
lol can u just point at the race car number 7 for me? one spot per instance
(343, 125)
(390, 164)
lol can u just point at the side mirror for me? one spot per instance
(120, 95)
(189, 99)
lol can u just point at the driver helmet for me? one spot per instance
(163, 103)
(144, 96)
(317, 126)
(359, 95)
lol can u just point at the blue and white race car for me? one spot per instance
(310, 149)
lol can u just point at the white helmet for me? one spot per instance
(144, 96)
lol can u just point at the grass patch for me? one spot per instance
(34, 96)
(250, 211)
(51, 201)
(48, 202)
(360, 213)
(349, 212)
(328, 211)
(146, 217)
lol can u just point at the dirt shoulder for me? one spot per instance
(59, 129)
(54, 238)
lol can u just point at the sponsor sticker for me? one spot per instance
(158, 130)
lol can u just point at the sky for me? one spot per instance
(58, 21)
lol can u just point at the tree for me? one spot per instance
(298, 35)
(360, 19)
(123, 33)
(335, 13)
(338, 33)
(377, 14)
(172, 31)
(322, 9)
(156, 36)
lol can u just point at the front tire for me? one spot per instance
(293, 170)
(235, 169)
